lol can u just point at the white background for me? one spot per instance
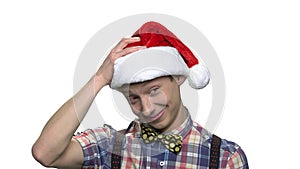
(257, 43)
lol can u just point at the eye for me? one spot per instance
(133, 99)
(154, 91)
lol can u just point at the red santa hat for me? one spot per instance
(164, 55)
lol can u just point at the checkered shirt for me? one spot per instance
(97, 145)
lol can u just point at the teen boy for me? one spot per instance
(148, 69)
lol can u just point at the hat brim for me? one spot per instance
(148, 64)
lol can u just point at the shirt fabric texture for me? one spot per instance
(97, 146)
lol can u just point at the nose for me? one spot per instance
(147, 107)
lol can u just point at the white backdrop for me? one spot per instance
(257, 43)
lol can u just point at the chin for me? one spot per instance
(159, 125)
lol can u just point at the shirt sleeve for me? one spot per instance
(238, 160)
(95, 145)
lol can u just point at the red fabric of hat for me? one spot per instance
(154, 34)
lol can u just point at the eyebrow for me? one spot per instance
(150, 83)
(146, 85)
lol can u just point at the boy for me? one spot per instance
(148, 69)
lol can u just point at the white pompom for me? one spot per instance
(198, 76)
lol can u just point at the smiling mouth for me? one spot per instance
(156, 117)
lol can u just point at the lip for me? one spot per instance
(151, 119)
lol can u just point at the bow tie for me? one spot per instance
(172, 142)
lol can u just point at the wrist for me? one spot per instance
(99, 82)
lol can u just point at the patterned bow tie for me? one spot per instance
(172, 142)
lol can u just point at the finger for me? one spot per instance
(129, 50)
(125, 41)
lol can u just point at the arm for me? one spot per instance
(238, 160)
(55, 146)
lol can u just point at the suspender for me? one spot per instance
(117, 147)
(116, 157)
(214, 152)
(116, 153)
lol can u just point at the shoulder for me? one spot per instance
(231, 154)
(229, 147)
(93, 136)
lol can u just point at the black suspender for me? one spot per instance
(116, 157)
(214, 152)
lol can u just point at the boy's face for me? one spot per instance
(156, 102)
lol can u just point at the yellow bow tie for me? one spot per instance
(172, 142)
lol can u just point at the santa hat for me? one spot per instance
(164, 55)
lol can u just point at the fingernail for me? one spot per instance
(137, 38)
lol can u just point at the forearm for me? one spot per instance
(58, 131)
(54, 147)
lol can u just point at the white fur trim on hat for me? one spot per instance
(154, 62)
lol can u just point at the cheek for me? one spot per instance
(135, 109)
(160, 99)
(135, 113)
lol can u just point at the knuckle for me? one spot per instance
(114, 55)
(113, 50)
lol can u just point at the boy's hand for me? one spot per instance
(107, 68)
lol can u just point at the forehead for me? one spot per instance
(143, 85)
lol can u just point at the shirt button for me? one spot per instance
(162, 163)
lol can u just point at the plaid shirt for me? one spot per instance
(97, 145)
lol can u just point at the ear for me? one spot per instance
(179, 79)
